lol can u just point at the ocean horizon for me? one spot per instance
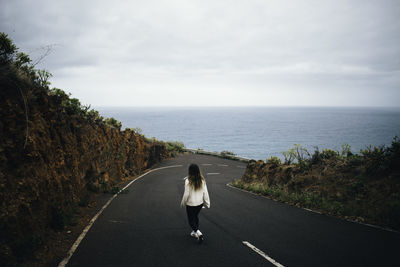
(262, 132)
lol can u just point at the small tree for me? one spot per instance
(7, 49)
(301, 153)
(43, 78)
(289, 156)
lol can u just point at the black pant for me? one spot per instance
(193, 213)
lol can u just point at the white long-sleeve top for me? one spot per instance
(197, 197)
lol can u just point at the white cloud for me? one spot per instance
(220, 52)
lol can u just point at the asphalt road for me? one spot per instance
(147, 227)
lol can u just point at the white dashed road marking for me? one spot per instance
(206, 164)
(213, 173)
(223, 165)
(262, 254)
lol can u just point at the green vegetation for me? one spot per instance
(362, 187)
(137, 130)
(228, 155)
(174, 147)
(303, 199)
(17, 68)
(274, 162)
(223, 154)
(18, 71)
(113, 123)
(55, 155)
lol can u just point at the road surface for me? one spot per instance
(147, 227)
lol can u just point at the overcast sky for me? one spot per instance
(214, 53)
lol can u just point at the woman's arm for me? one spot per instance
(206, 197)
(185, 194)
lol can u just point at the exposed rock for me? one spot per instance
(49, 162)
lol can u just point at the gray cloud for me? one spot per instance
(242, 46)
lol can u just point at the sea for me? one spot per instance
(262, 132)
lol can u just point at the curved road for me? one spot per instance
(146, 227)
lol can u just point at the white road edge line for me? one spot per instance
(262, 254)
(64, 262)
(317, 212)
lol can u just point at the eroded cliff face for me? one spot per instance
(50, 159)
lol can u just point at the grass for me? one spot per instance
(362, 187)
(303, 199)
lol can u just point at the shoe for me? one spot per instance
(199, 236)
(193, 234)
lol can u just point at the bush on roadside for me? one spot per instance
(174, 147)
(274, 162)
(227, 154)
(113, 123)
(361, 186)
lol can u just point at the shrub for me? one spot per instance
(316, 157)
(320, 157)
(274, 162)
(43, 78)
(346, 150)
(393, 154)
(137, 130)
(375, 159)
(394, 149)
(227, 154)
(175, 146)
(20, 63)
(151, 140)
(59, 93)
(301, 153)
(342, 184)
(289, 156)
(113, 123)
(69, 105)
(73, 106)
(303, 166)
(7, 49)
(298, 153)
(329, 154)
(94, 116)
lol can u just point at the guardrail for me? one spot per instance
(216, 154)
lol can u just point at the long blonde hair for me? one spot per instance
(195, 177)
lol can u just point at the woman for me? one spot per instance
(195, 196)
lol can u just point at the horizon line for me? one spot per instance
(241, 106)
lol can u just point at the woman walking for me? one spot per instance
(194, 197)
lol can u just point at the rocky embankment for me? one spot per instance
(362, 187)
(53, 154)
